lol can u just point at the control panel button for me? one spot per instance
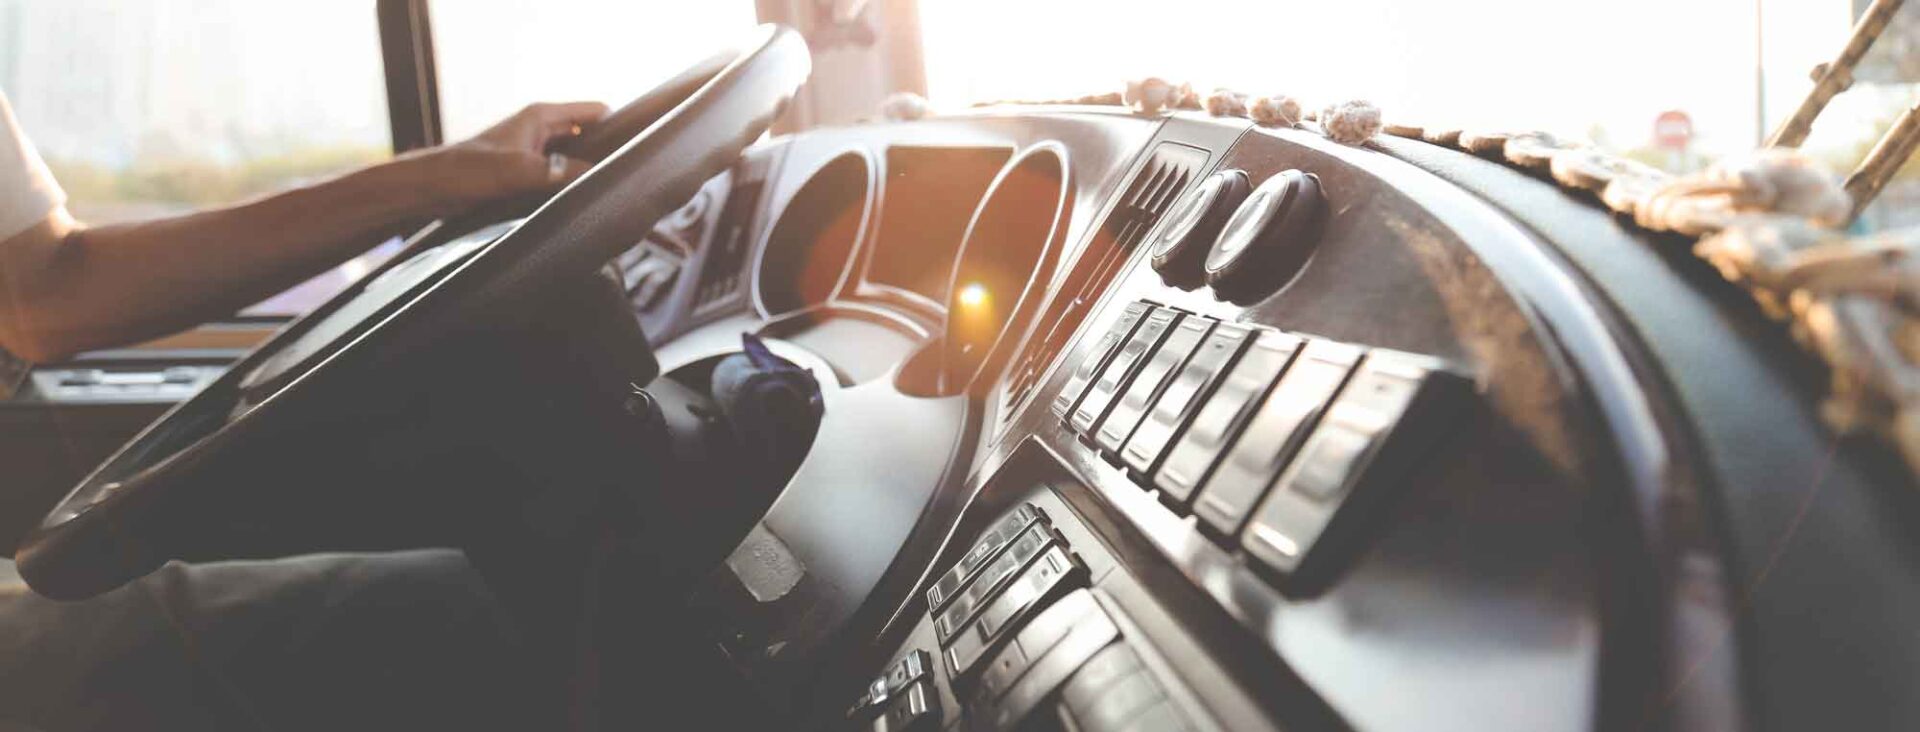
(1004, 669)
(1161, 716)
(1328, 460)
(1119, 372)
(117, 385)
(1097, 356)
(1052, 574)
(1114, 707)
(1146, 386)
(915, 666)
(82, 377)
(1106, 668)
(972, 598)
(1114, 691)
(1193, 456)
(1021, 596)
(1047, 672)
(1273, 434)
(1269, 238)
(1036, 641)
(1183, 396)
(1046, 629)
(1180, 247)
(1324, 492)
(995, 538)
(915, 710)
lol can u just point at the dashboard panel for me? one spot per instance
(1388, 493)
(1367, 620)
(1180, 423)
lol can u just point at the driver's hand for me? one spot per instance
(510, 158)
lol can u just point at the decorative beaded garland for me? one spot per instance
(1276, 111)
(1351, 123)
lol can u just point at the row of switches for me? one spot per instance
(995, 539)
(1016, 570)
(1263, 436)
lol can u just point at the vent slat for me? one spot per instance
(1165, 199)
(1142, 187)
(1150, 206)
(1145, 201)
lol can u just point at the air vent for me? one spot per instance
(1149, 197)
(720, 275)
(1159, 181)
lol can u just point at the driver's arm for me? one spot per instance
(66, 287)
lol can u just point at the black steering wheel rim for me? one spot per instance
(691, 128)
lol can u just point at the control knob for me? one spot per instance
(1181, 246)
(1268, 239)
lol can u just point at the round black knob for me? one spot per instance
(1180, 248)
(1268, 239)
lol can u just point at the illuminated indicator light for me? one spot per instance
(973, 295)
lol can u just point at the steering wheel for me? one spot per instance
(653, 154)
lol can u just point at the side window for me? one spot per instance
(1886, 84)
(146, 108)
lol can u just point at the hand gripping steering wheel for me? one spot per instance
(653, 154)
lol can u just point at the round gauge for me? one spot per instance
(1180, 247)
(804, 260)
(1268, 239)
(1005, 260)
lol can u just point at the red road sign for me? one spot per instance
(1673, 129)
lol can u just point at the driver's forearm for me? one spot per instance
(65, 289)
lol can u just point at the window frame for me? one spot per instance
(412, 79)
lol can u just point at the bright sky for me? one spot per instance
(1572, 67)
(1558, 65)
(496, 56)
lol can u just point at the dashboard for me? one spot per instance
(1181, 423)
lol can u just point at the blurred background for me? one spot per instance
(145, 107)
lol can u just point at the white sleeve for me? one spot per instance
(27, 190)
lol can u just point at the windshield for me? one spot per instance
(1612, 73)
